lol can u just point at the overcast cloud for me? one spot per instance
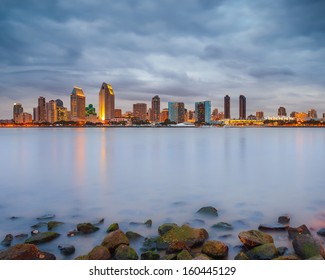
(188, 50)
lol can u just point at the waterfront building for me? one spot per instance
(17, 111)
(106, 102)
(163, 115)
(155, 109)
(252, 118)
(118, 113)
(35, 114)
(140, 111)
(227, 107)
(323, 115)
(203, 112)
(191, 116)
(27, 118)
(78, 104)
(176, 111)
(51, 111)
(59, 103)
(259, 115)
(41, 110)
(301, 116)
(312, 113)
(149, 114)
(62, 114)
(215, 113)
(282, 112)
(293, 114)
(242, 107)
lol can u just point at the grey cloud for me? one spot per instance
(271, 72)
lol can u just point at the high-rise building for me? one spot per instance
(259, 115)
(62, 114)
(215, 114)
(323, 115)
(312, 113)
(59, 103)
(17, 111)
(227, 107)
(176, 111)
(51, 111)
(155, 109)
(140, 111)
(78, 105)
(118, 113)
(242, 107)
(106, 102)
(282, 112)
(35, 114)
(164, 115)
(41, 109)
(203, 112)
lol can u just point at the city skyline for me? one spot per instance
(184, 52)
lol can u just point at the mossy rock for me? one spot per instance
(87, 228)
(131, 235)
(215, 249)
(288, 257)
(150, 255)
(263, 252)
(113, 227)
(125, 252)
(166, 227)
(222, 226)
(99, 253)
(25, 252)
(170, 257)
(115, 239)
(42, 237)
(52, 224)
(253, 238)
(208, 210)
(184, 255)
(202, 257)
(241, 256)
(306, 246)
(82, 258)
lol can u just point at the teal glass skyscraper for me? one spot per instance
(176, 112)
(203, 112)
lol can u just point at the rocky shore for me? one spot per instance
(171, 242)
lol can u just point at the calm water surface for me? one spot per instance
(251, 175)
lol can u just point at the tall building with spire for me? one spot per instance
(227, 107)
(155, 109)
(78, 104)
(106, 102)
(242, 107)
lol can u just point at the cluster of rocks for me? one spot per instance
(172, 242)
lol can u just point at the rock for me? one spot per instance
(115, 239)
(222, 226)
(288, 257)
(263, 252)
(39, 225)
(51, 225)
(170, 257)
(202, 257)
(46, 217)
(149, 244)
(82, 258)
(113, 227)
(166, 227)
(321, 232)
(99, 253)
(125, 252)
(191, 236)
(149, 255)
(86, 228)
(215, 249)
(25, 252)
(284, 219)
(14, 218)
(225, 236)
(100, 221)
(306, 246)
(184, 255)
(208, 210)
(253, 238)
(42, 237)
(34, 232)
(131, 235)
(276, 226)
(21, 236)
(176, 247)
(67, 249)
(7, 240)
(294, 232)
(318, 257)
(282, 250)
(241, 256)
(73, 233)
(148, 223)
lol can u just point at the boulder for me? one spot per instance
(166, 227)
(148, 223)
(170, 257)
(176, 247)
(215, 249)
(113, 227)
(294, 232)
(263, 252)
(222, 226)
(284, 219)
(253, 238)
(276, 226)
(208, 210)
(306, 246)
(184, 255)
(125, 252)
(52, 224)
(282, 250)
(150, 255)
(25, 252)
(191, 236)
(202, 257)
(67, 250)
(150, 243)
(288, 257)
(241, 256)
(321, 232)
(46, 217)
(131, 235)
(7, 240)
(86, 228)
(115, 239)
(99, 253)
(42, 237)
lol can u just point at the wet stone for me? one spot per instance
(276, 226)
(86, 228)
(222, 226)
(284, 219)
(42, 237)
(321, 232)
(294, 232)
(208, 210)
(253, 238)
(67, 249)
(46, 217)
(53, 224)
(131, 235)
(150, 255)
(39, 225)
(7, 240)
(113, 227)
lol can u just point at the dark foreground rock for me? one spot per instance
(99, 253)
(253, 238)
(215, 249)
(25, 252)
(208, 210)
(87, 228)
(306, 246)
(7, 240)
(284, 219)
(131, 235)
(321, 232)
(166, 227)
(67, 250)
(42, 237)
(276, 226)
(294, 232)
(125, 252)
(263, 252)
(150, 255)
(113, 227)
(53, 224)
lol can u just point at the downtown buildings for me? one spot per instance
(106, 102)
(203, 112)
(78, 105)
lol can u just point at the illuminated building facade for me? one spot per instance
(227, 107)
(106, 102)
(140, 111)
(282, 112)
(242, 107)
(41, 110)
(78, 104)
(17, 111)
(155, 109)
(51, 112)
(163, 115)
(259, 115)
(312, 113)
(118, 113)
(176, 112)
(203, 112)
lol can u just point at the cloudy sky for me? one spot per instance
(187, 50)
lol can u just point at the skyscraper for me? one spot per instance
(140, 111)
(282, 112)
(17, 111)
(203, 112)
(164, 115)
(227, 107)
(176, 111)
(155, 108)
(106, 102)
(242, 107)
(41, 110)
(78, 104)
(312, 113)
(51, 112)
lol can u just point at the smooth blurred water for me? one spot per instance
(251, 175)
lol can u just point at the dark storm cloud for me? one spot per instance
(178, 49)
